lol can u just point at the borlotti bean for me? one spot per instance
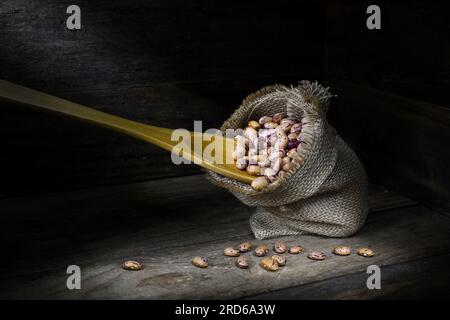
(245, 247)
(269, 264)
(241, 262)
(262, 150)
(280, 260)
(317, 255)
(342, 251)
(280, 247)
(366, 252)
(231, 252)
(200, 262)
(132, 265)
(261, 250)
(295, 250)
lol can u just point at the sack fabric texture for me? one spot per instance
(325, 190)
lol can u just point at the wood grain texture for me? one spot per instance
(402, 142)
(426, 278)
(99, 228)
(135, 43)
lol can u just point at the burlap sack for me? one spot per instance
(325, 190)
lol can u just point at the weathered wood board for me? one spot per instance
(97, 229)
(124, 44)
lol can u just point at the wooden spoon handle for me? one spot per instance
(161, 137)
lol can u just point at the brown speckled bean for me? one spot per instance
(280, 260)
(245, 246)
(200, 262)
(132, 265)
(261, 250)
(342, 251)
(269, 264)
(242, 262)
(295, 249)
(366, 252)
(254, 124)
(231, 252)
(317, 255)
(279, 247)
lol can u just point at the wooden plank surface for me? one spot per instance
(426, 278)
(99, 228)
(123, 44)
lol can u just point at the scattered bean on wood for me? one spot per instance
(342, 251)
(231, 252)
(366, 252)
(200, 262)
(280, 260)
(280, 247)
(269, 264)
(261, 250)
(295, 250)
(132, 265)
(242, 262)
(245, 246)
(317, 255)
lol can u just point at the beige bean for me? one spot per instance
(241, 262)
(132, 265)
(317, 255)
(292, 153)
(245, 246)
(254, 124)
(277, 117)
(269, 264)
(200, 262)
(286, 163)
(270, 125)
(268, 172)
(295, 249)
(253, 170)
(280, 247)
(292, 136)
(231, 252)
(366, 252)
(265, 119)
(241, 163)
(261, 250)
(280, 260)
(342, 251)
(259, 183)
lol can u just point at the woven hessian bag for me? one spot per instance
(325, 190)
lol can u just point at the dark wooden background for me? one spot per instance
(162, 62)
(169, 63)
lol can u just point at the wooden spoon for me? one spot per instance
(160, 137)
